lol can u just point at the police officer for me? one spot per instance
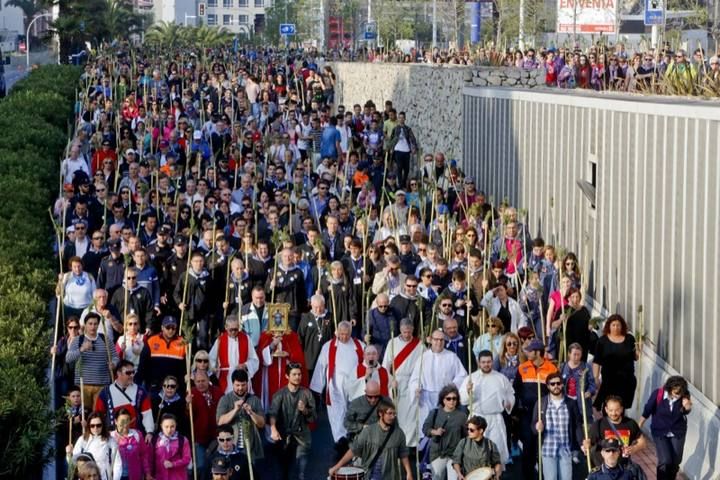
(227, 457)
(160, 249)
(611, 469)
(112, 268)
(409, 260)
(173, 270)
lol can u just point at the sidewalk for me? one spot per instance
(647, 459)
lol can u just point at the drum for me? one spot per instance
(483, 473)
(349, 473)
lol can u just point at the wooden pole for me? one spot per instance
(539, 409)
(190, 409)
(185, 285)
(584, 414)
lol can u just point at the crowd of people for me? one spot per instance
(598, 67)
(244, 261)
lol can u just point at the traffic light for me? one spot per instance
(201, 9)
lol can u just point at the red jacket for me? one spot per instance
(204, 408)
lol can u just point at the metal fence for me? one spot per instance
(650, 236)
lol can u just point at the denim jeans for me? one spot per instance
(558, 467)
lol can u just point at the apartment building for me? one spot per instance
(240, 16)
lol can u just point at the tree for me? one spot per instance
(95, 21)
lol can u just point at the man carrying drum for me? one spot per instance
(380, 448)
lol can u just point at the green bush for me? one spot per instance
(34, 119)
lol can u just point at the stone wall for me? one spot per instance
(431, 95)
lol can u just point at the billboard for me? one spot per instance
(586, 16)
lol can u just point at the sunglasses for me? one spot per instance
(414, 285)
(73, 327)
(451, 399)
(471, 430)
(371, 397)
(554, 384)
(202, 360)
(383, 306)
(132, 278)
(512, 344)
(97, 238)
(96, 425)
(227, 439)
(129, 372)
(170, 385)
(446, 305)
(169, 327)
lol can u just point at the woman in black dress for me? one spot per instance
(614, 362)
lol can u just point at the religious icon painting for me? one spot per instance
(278, 317)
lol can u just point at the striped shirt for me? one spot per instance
(94, 363)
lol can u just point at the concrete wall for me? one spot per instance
(651, 238)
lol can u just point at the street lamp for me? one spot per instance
(27, 38)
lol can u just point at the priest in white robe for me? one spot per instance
(488, 393)
(437, 367)
(369, 369)
(401, 355)
(233, 349)
(335, 370)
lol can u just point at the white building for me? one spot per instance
(178, 11)
(238, 16)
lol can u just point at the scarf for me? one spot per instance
(79, 280)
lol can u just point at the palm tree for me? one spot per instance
(164, 34)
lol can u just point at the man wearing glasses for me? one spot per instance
(124, 393)
(437, 367)
(561, 428)
(137, 299)
(227, 454)
(611, 468)
(163, 355)
(362, 411)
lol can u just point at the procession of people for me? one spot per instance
(247, 263)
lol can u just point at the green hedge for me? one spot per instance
(34, 119)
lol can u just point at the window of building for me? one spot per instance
(212, 3)
(260, 3)
(243, 3)
(243, 19)
(227, 3)
(212, 19)
(227, 19)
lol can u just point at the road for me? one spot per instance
(322, 458)
(12, 76)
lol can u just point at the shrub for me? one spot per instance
(33, 118)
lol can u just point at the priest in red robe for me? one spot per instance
(276, 351)
(232, 350)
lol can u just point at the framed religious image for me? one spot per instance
(278, 314)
